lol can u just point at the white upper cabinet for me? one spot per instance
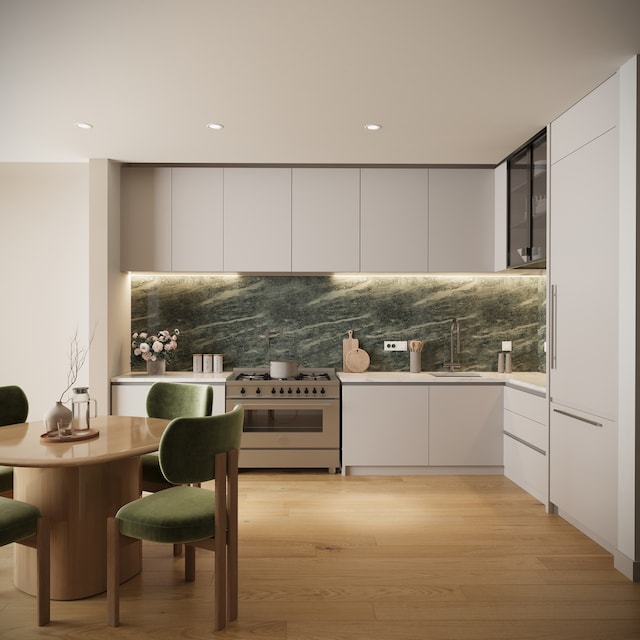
(394, 220)
(325, 219)
(461, 220)
(500, 219)
(585, 121)
(257, 219)
(145, 229)
(197, 219)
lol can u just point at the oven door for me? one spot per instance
(289, 424)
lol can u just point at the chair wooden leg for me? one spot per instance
(232, 541)
(189, 562)
(113, 572)
(43, 552)
(177, 550)
(220, 543)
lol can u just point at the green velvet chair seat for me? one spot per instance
(6, 479)
(176, 515)
(23, 524)
(18, 520)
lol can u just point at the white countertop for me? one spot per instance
(531, 380)
(141, 377)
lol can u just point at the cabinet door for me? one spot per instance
(145, 219)
(129, 399)
(465, 425)
(257, 219)
(583, 478)
(584, 278)
(461, 219)
(394, 220)
(385, 425)
(196, 199)
(325, 211)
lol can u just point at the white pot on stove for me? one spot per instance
(283, 368)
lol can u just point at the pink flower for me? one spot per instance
(158, 346)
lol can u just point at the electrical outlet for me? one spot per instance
(506, 345)
(395, 345)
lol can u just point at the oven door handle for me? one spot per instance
(282, 404)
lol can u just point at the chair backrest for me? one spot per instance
(14, 406)
(189, 445)
(171, 400)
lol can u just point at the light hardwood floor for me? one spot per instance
(326, 557)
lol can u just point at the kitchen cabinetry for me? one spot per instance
(526, 441)
(583, 304)
(394, 220)
(465, 425)
(527, 204)
(257, 219)
(145, 229)
(385, 425)
(325, 212)
(461, 220)
(583, 476)
(421, 428)
(196, 206)
(129, 393)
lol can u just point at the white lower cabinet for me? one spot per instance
(385, 425)
(526, 442)
(584, 488)
(419, 428)
(465, 425)
(130, 399)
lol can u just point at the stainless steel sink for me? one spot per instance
(454, 374)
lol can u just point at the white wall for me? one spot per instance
(44, 290)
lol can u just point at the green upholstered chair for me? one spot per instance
(14, 408)
(192, 451)
(171, 400)
(22, 523)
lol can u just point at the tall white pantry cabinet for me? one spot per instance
(583, 304)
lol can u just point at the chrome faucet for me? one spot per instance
(454, 346)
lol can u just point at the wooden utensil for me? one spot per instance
(348, 345)
(358, 360)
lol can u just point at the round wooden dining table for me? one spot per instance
(78, 484)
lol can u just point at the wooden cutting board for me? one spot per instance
(348, 345)
(358, 360)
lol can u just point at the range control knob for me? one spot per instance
(322, 391)
(273, 390)
(315, 391)
(306, 390)
(258, 391)
(242, 391)
(298, 391)
(290, 390)
(281, 390)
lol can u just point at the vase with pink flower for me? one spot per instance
(154, 349)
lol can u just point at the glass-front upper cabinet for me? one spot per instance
(527, 211)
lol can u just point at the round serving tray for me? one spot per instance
(52, 436)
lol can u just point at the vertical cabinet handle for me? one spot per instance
(553, 321)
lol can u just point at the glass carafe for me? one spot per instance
(81, 409)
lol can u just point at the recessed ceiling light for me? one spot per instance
(373, 127)
(216, 126)
(84, 125)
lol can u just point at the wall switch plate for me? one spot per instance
(506, 345)
(395, 345)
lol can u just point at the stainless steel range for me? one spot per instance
(290, 422)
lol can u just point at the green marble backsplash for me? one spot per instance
(254, 319)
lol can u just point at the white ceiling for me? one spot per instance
(295, 81)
